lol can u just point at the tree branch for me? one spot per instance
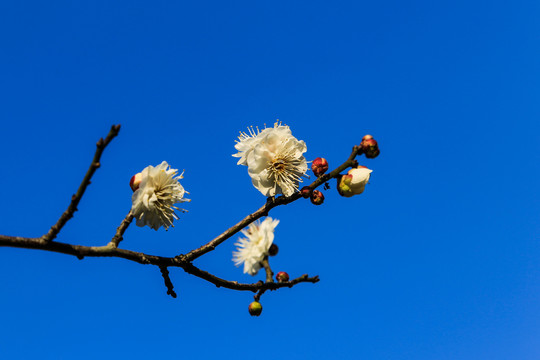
(265, 209)
(183, 261)
(68, 214)
(268, 270)
(119, 236)
(81, 251)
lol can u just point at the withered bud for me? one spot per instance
(319, 166)
(282, 276)
(255, 308)
(305, 192)
(317, 197)
(370, 147)
(273, 251)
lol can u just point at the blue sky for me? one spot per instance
(438, 259)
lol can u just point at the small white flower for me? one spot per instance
(252, 250)
(158, 191)
(274, 158)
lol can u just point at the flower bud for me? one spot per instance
(273, 250)
(317, 197)
(305, 192)
(369, 147)
(255, 308)
(282, 276)
(135, 181)
(354, 182)
(319, 166)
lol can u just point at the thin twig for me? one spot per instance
(168, 282)
(268, 270)
(68, 214)
(119, 236)
(234, 285)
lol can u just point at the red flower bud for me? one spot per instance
(319, 166)
(255, 308)
(305, 192)
(282, 276)
(317, 197)
(369, 147)
(135, 181)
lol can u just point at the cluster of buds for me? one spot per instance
(316, 197)
(354, 182)
(319, 166)
(370, 147)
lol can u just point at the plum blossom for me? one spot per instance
(252, 249)
(156, 191)
(274, 158)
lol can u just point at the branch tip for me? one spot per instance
(168, 283)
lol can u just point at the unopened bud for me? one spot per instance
(135, 181)
(305, 192)
(282, 276)
(369, 147)
(273, 250)
(319, 166)
(343, 187)
(255, 308)
(317, 197)
(354, 182)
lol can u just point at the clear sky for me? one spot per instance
(438, 259)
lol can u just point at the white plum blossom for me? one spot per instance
(252, 249)
(274, 158)
(155, 198)
(354, 182)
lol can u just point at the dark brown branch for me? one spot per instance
(264, 210)
(68, 214)
(121, 230)
(168, 282)
(110, 251)
(234, 285)
(86, 251)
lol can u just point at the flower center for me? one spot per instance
(284, 168)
